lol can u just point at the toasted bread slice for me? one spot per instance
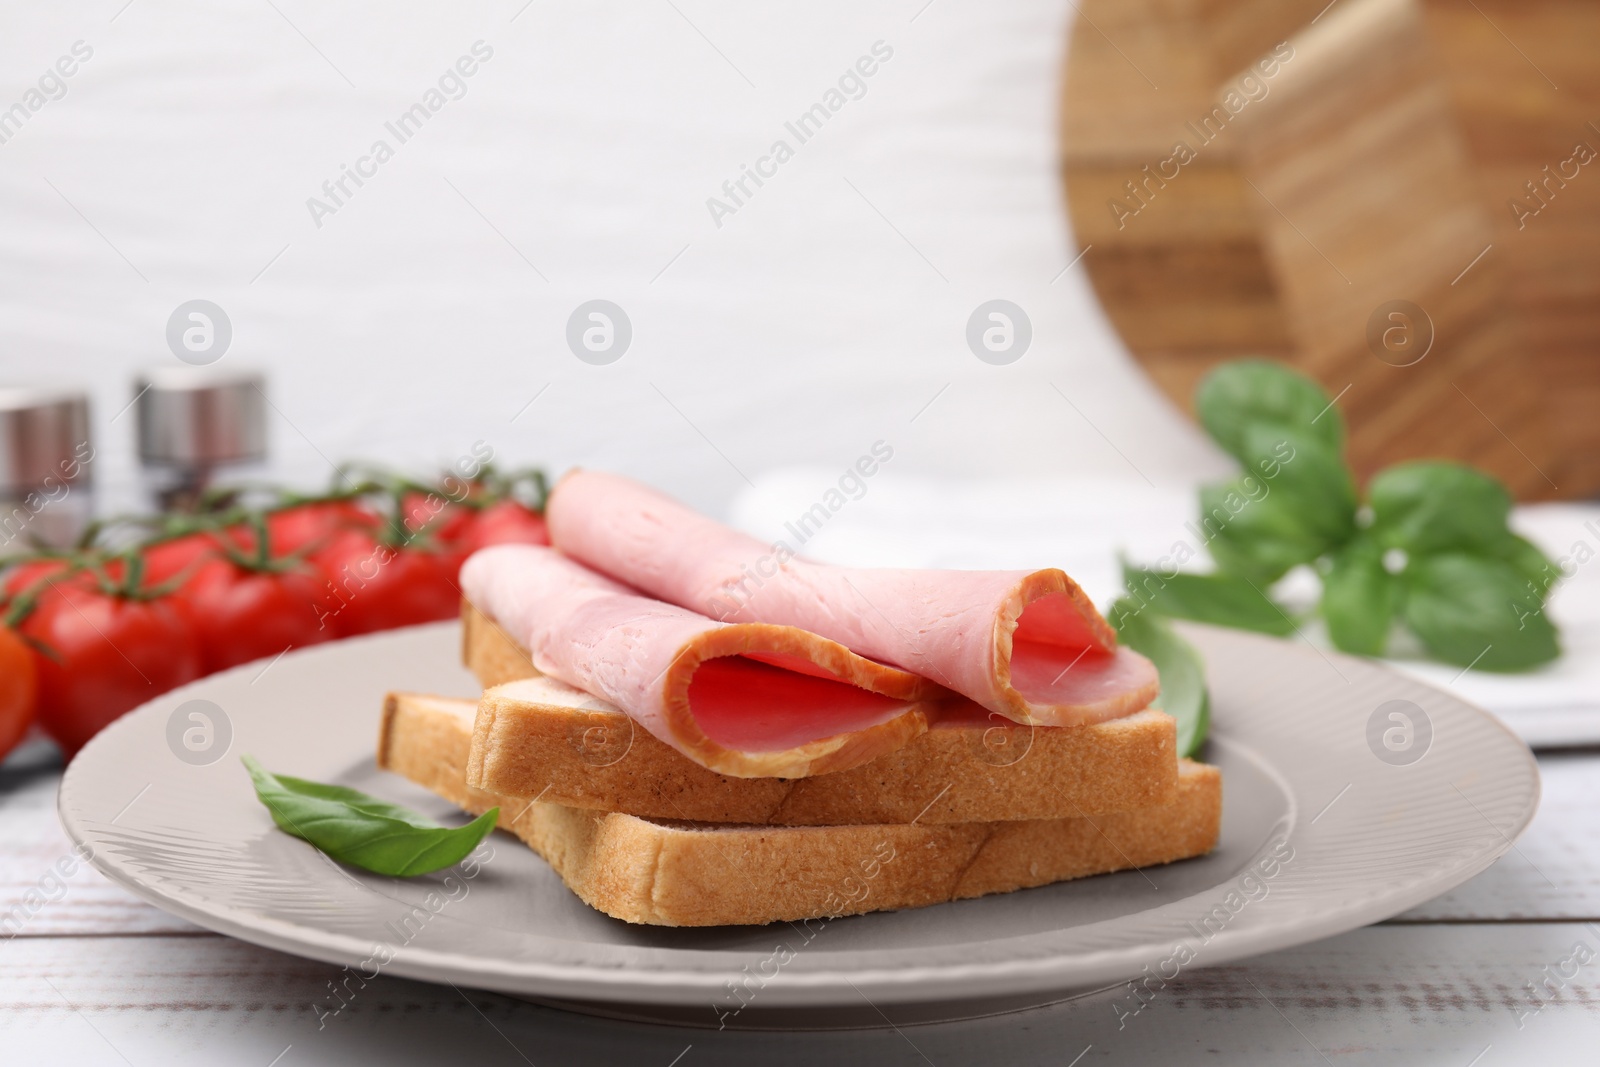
(542, 738)
(539, 737)
(674, 873)
(489, 652)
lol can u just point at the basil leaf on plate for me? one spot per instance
(362, 830)
(1215, 598)
(1472, 610)
(1246, 393)
(1183, 676)
(1435, 506)
(1360, 599)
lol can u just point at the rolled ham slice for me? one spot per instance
(1026, 644)
(749, 700)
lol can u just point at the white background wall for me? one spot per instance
(818, 319)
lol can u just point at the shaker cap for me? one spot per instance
(199, 416)
(44, 433)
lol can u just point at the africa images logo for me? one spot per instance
(851, 85)
(47, 88)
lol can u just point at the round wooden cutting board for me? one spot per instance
(1399, 197)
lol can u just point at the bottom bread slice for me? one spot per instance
(669, 873)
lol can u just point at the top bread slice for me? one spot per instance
(537, 737)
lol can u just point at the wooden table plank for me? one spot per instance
(70, 897)
(1421, 994)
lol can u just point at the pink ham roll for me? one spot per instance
(1026, 644)
(750, 700)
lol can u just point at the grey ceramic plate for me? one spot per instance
(1379, 813)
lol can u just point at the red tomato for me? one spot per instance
(443, 519)
(110, 655)
(19, 689)
(247, 611)
(180, 556)
(25, 575)
(242, 615)
(376, 587)
(505, 523)
(313, 526)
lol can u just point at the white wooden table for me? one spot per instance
(96, 977)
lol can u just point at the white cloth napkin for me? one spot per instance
(1082, 526)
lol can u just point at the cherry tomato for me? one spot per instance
(313, 526)
(435, 516)
(242, 614)
(179, 557)
(377, 587)
(19, 689)
(109, 654)
(247, 601)
(24, 576)
(505, 523)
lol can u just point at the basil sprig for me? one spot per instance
(362, 830)
(1219, 599)
(1183, 677)
(1431, 550)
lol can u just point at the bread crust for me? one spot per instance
(489, 652)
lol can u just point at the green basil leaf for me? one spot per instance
(1360, 599)
(1296, 503)
(1183, 675)
(1260, 541)
(1529, 560)
(1432, 506)
(362, 830)
(1296, 464)
(1471, 610)
(1246, 393)
(1214, 598)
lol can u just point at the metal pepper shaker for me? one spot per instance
(196, 425)
(46, 493)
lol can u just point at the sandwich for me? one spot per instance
(692, 738)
